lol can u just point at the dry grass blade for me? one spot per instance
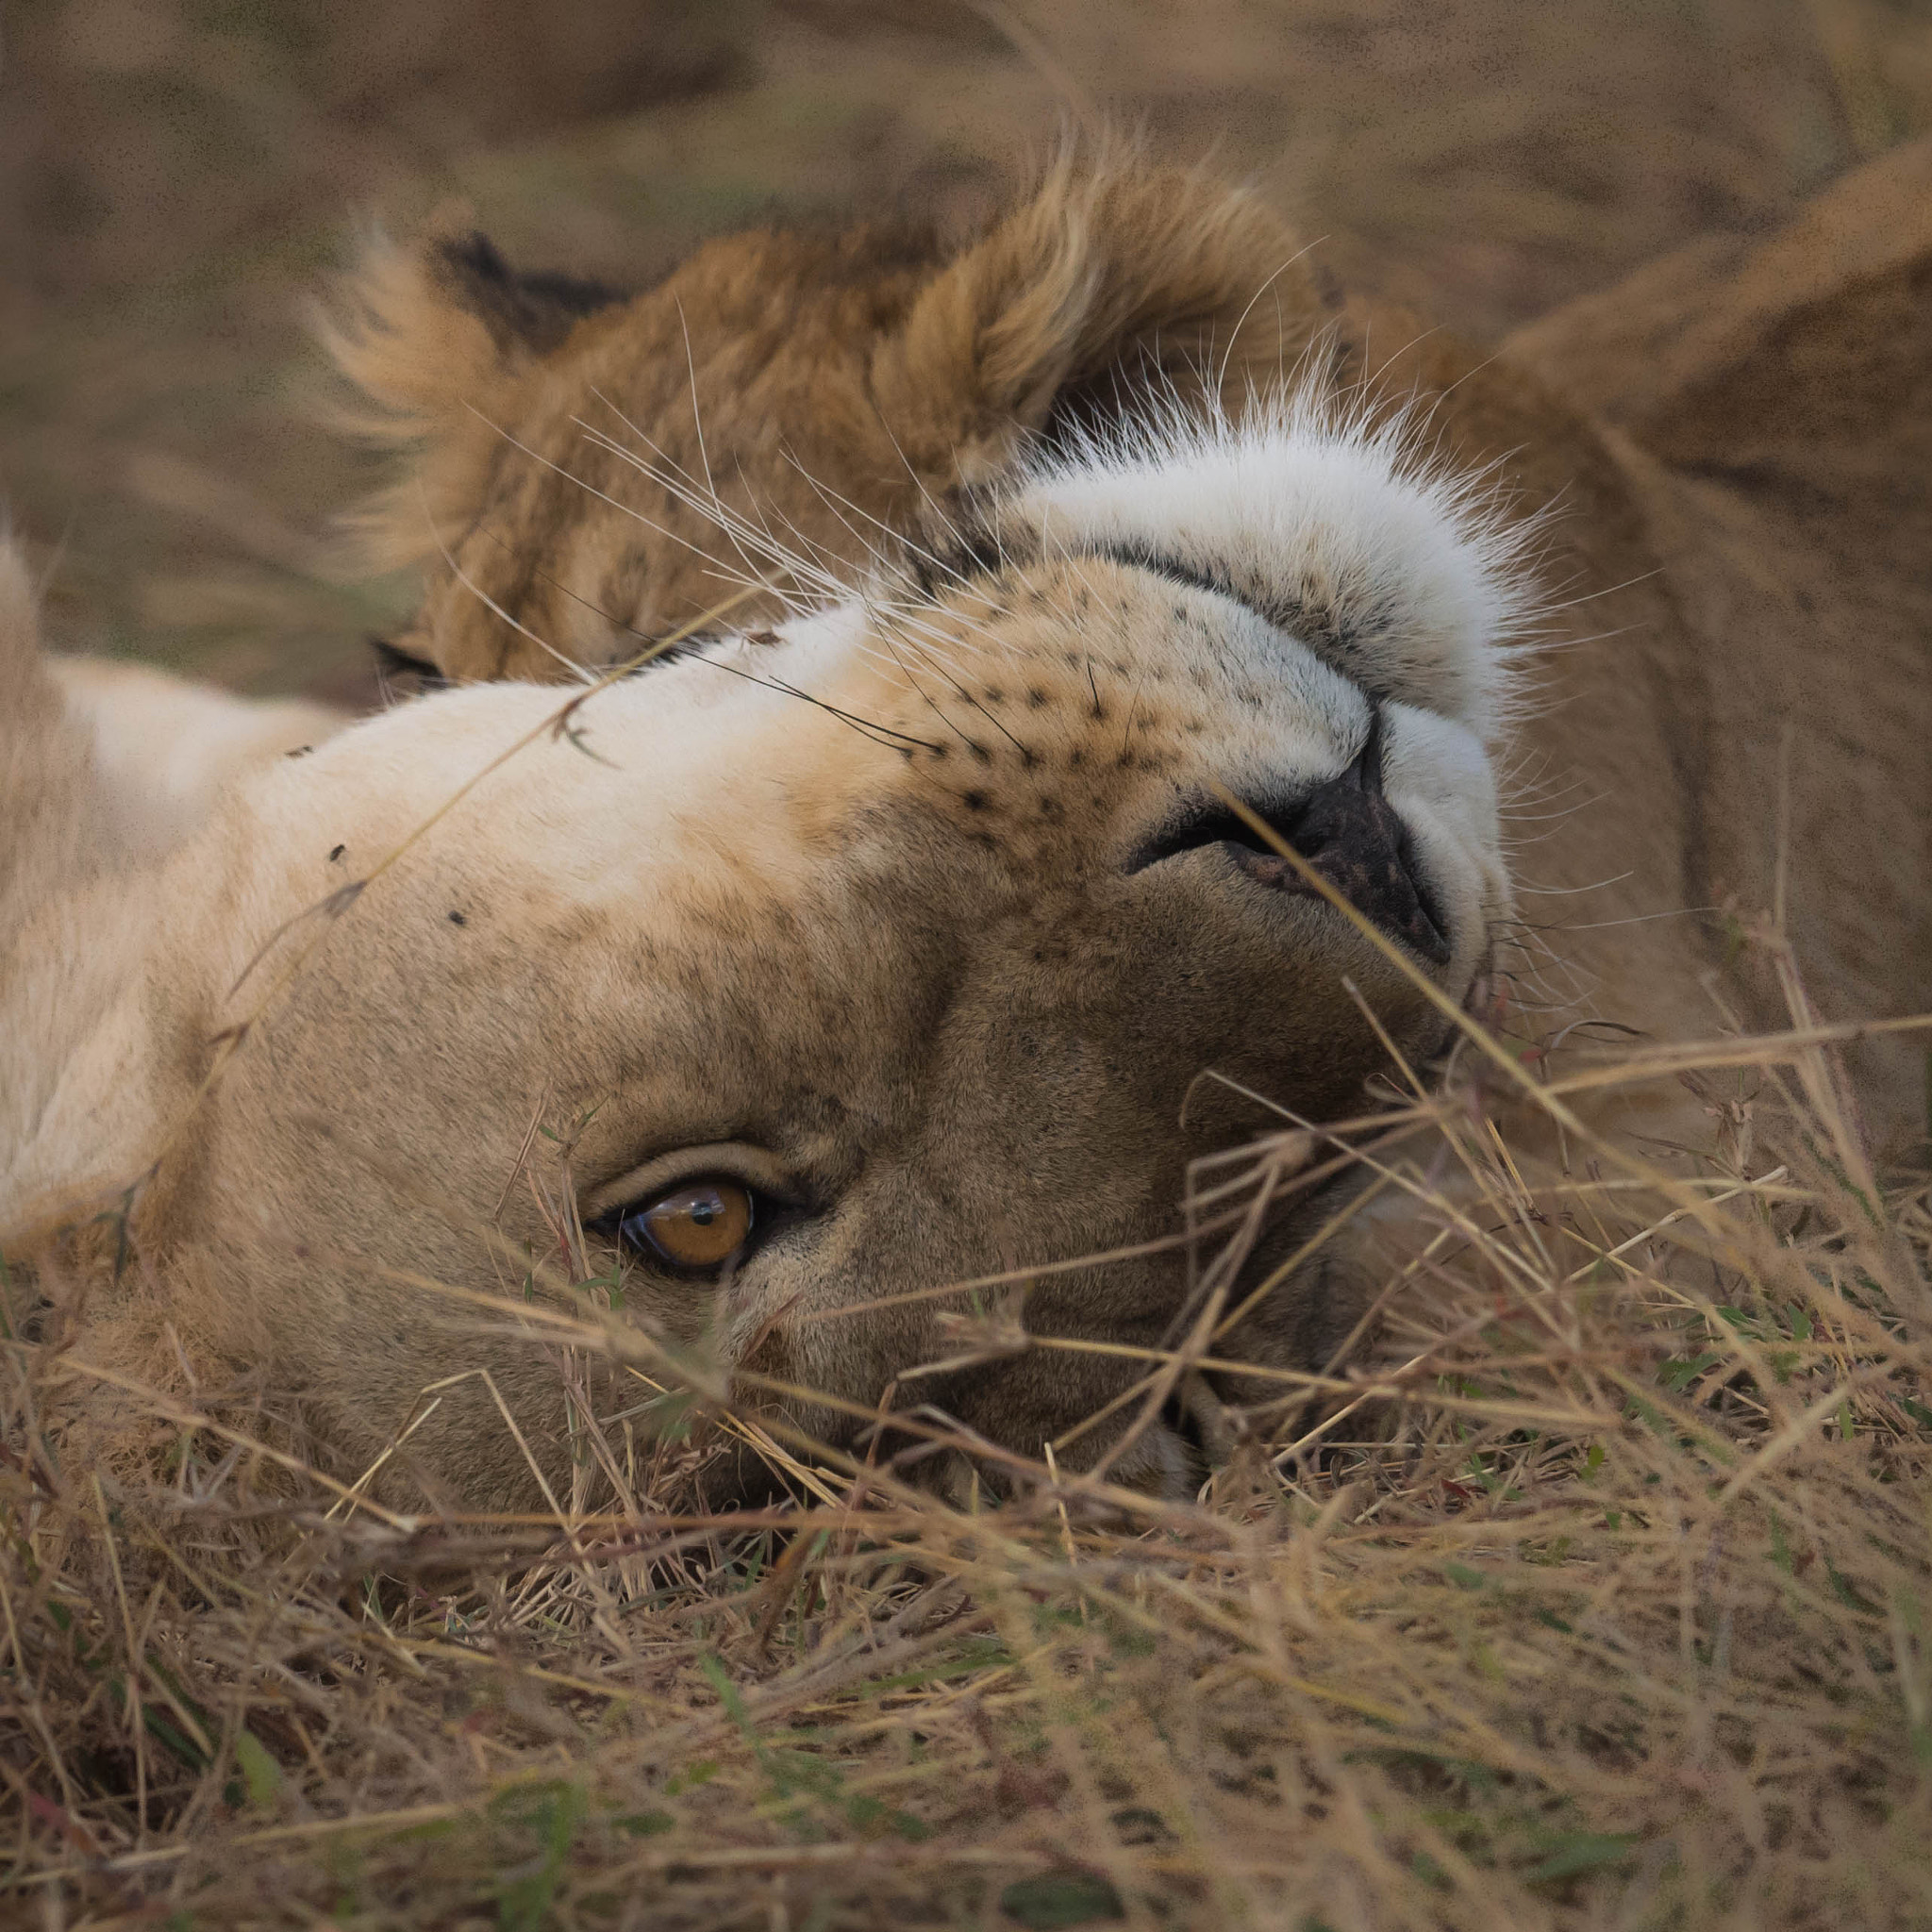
(1596, 1595)
(1599, 1594)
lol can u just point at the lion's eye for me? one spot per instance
(699, 1227)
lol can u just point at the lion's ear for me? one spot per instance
(1114, 282)
(433, 336)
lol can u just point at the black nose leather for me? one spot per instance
(1350, 833)
(1347, 831)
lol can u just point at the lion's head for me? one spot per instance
(877, 937)
(824, 965)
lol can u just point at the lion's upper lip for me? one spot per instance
(1345, 829)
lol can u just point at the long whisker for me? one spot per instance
(688, 493)
(673, 476)
(903, 544)
(1241, 321)
(881, 734)
(626, 510)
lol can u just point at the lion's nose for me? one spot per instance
(1350, 833)
(1347, 831)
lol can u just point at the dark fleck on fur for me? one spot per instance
(533, 311)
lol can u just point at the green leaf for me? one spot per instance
(185, 1748)
(977, 1654)
(1848, 1593)
(552, 1813)
(1062, 1898)
(1462, 1574)
(1583, 1851)
(1681, 1371)
(729, 1695)
(259, 1772)
(430, 1828)
(701, 1772)
(644, 1823)
(1735, 939)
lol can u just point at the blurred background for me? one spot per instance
(178, 176)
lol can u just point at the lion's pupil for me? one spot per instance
(699, 1227)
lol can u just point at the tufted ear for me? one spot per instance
(434, 336)
(1113, 281)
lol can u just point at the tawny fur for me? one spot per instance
(892, 936)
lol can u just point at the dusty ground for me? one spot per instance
(176, 178)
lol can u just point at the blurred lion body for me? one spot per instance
(786, 406)
(849, 965)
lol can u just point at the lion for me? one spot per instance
(1728, 448)
(1109, 691)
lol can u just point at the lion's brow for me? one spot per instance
(1158, 563)
(979, 554)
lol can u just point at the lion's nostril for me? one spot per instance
(1347, 831)
(1350, 833)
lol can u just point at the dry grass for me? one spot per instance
(1598, 1596)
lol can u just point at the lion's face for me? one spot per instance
(910, 926)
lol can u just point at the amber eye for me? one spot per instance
(697, 1225)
